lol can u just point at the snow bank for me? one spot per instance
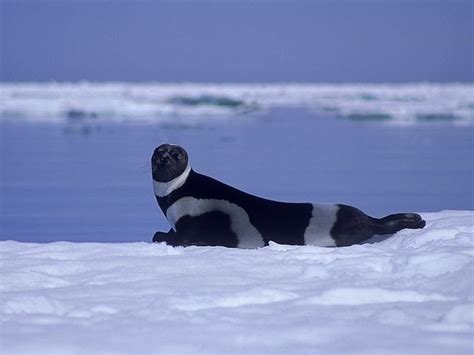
(188, 103)
(412, 293)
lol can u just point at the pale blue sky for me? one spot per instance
(316, 41)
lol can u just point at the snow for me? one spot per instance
(86, 178)
(191, 103)
(411, 293)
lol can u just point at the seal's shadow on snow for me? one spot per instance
(378, 239)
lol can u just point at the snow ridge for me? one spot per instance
(411, 291)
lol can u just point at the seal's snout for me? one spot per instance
(164, 160)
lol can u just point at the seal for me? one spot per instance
(205, 211)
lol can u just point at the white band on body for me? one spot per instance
(319, 228)
(247, 235)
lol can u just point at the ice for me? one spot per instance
(411, 293)
(189, 103)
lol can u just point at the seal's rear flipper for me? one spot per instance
(396, 222)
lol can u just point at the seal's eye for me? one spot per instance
(175, 156)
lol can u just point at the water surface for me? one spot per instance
(92, 183)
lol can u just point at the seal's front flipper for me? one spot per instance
(170, 238)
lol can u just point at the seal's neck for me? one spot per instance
(163, 189)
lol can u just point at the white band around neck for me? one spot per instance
(163, 189)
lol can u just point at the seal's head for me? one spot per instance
(168, 162)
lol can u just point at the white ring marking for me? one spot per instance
(319, 228)
(163, 189)
(247, 235)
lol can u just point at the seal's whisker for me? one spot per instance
(143, 168)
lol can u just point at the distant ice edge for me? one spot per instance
(191, 103)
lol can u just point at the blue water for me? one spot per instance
(84, 183)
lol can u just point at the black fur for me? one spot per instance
(354, 226)
(283, 223)
(212, 228)
(167, 162)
